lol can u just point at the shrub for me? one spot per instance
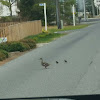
(43, 31)
(9, 19)
(35, 39)
(30, 42)
(4, 46)
(26, 46)
(6, 19)
(3, 54)
(14, 46)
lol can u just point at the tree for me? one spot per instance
(9, 4)
(25, 7)
(30, 10)
(38, 11)
(1, 9)
(90, 7)
(66, 11)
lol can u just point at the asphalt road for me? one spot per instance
(25, 77)
(90, 21)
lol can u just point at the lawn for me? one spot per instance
(65, 28)
(50, 35)
(45, 37)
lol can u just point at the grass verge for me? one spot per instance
(44, 37)
(50, 35)
(53, 29)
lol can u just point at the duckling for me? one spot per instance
(91, 62)
(44, 63)
(57, 62)
(65, 61)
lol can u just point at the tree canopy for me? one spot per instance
(66, 10)
(30, 9)
(1, 9)
(25, 7)
(90, 7)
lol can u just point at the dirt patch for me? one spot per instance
(14, 55)
(41, 44)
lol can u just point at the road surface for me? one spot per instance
(25, 77)
(90, 21)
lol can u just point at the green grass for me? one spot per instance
(54, 29)
(47, 37)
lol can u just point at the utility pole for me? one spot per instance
(93, 11)
(45, 15)
(77, 7)
(97, 11)
(84, 10)
(58, 14)
(73, 15)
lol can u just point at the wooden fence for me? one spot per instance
(19, 31)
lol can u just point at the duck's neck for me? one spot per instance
(41, 60)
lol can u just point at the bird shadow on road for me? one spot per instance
(42, 69)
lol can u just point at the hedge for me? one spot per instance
(14, 46)
(30, 42)
(3, 54)
(22, 45)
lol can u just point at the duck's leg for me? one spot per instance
(45, 67)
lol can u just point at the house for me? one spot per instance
(97, 3)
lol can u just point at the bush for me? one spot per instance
(35, 39)
(14, 46)
(26, 46)
(31, 43)
(43, 31)
(9, 19)
(3, 54)
(23, 45)
(6, 19)
(5, 46)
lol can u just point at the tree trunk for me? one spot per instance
(93, 11)
(58, 14)
(10, 8)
